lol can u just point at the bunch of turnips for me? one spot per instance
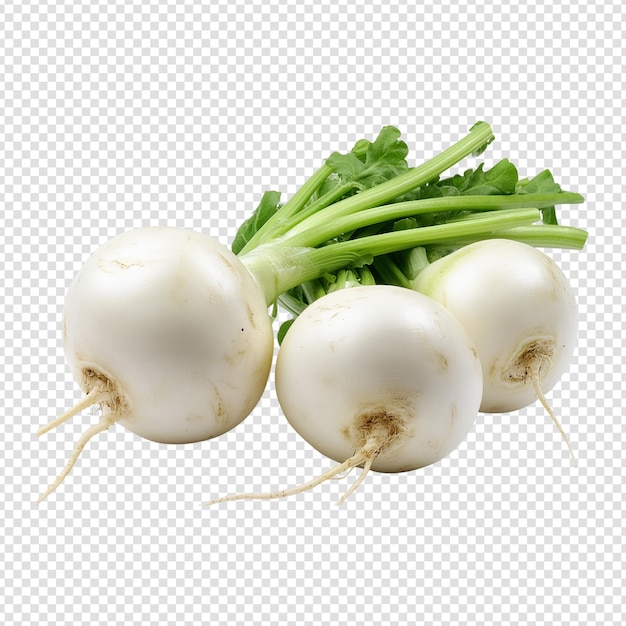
(414, 300)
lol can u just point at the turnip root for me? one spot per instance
(379, 377)
(169, 333)
(520, 312)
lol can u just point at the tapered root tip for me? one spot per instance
(553, 417)
(344, 468)
(106, 421)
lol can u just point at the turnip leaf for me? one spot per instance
(383, 159)
(270, 203)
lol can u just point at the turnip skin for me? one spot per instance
(174, 321)
(520, 312)
(366, 352)
(377, 376)
(168, 331)
(509, 297)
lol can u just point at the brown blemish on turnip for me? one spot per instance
(454, 412)
(441, 362)
(219, 408)
(528, 361)
(250, 315)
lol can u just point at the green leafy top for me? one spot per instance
(368, 164)
(371, 163)
(366, 216)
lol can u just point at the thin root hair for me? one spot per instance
(540, 395)
(106, 421)
(546, 358)
(345, 474)
(358, 481)
(365, 456)
(95, 396)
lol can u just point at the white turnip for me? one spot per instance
(376, 376)
(520, 312)
(169, 333)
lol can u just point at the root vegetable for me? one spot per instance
(169, 333)
(378, 377)
(520, 312)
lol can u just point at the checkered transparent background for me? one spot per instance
(118, 114)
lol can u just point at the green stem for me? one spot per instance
(366, 276)
(319, 228)
(283, 219)
(346, 277)
(291, 207)
(415, 260)
(330, 197)
(389, 272)
(291, 305)
(539, 235)
(279, 267)
(304, 193)
(481, 226)
(313, 290)
(479, 136)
